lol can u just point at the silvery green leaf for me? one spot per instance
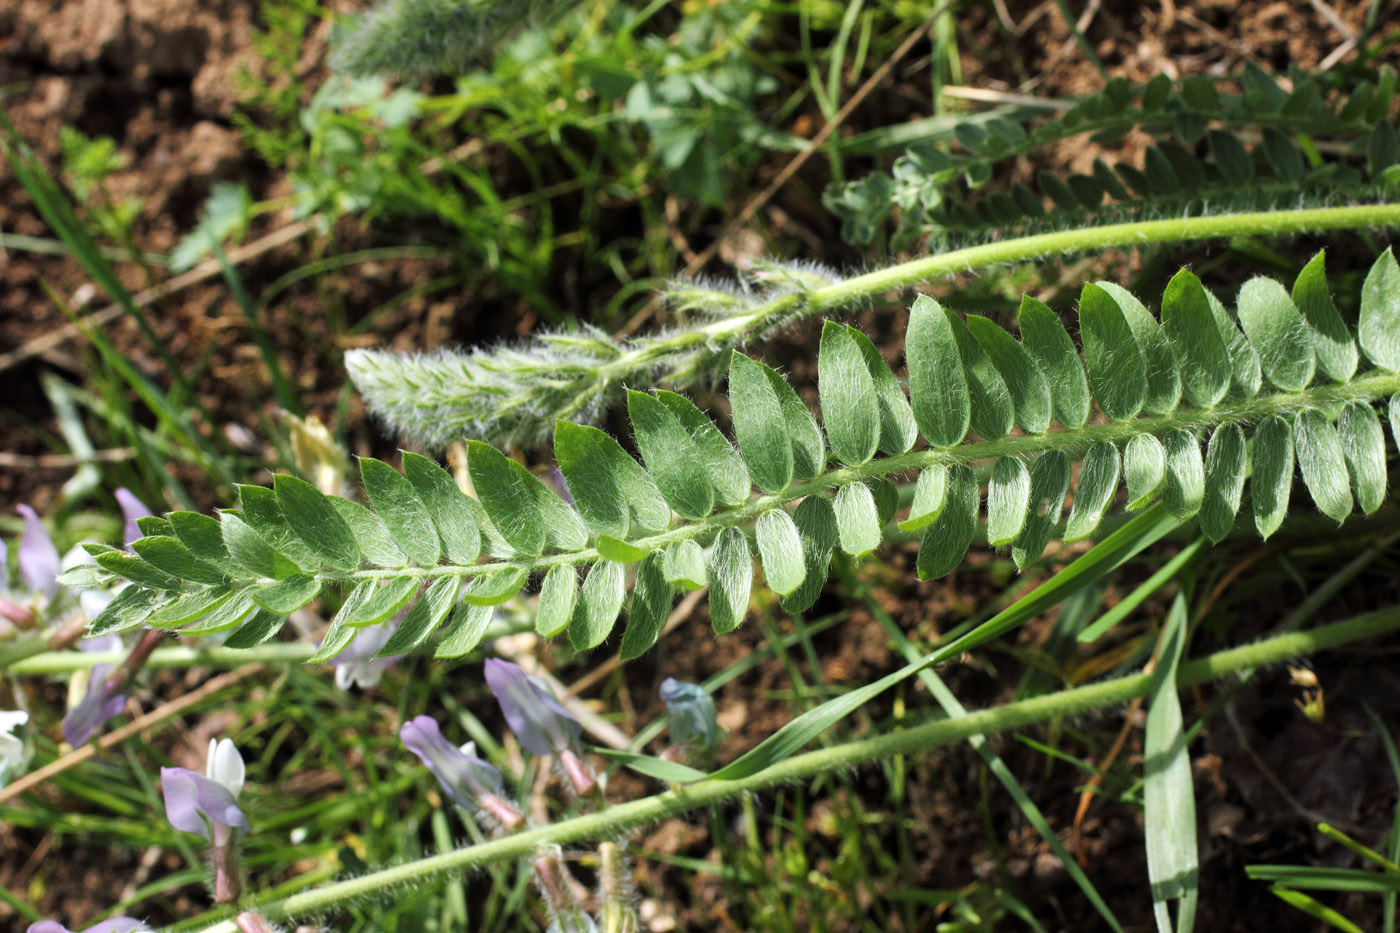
(857, 519)
(780, 549)
(1378, 329)
(1144, 469)
(1008, 498)
(372, 536)
(1049, 486)
(1116, 372)
(558, 594)
(598, 606)
(425, 616)
(1226, 465)
(897, 428)
(1331, 341)
(816, 526)
(1323, 463)
(312, 518)
(1030, 393)
(651, 604)
(398, 503)
(1201, 353)
(759, 425)
(447, 505)
(948, 537)
(1098, 481)
(1163, 379)
(1185, 483)
(930, 491)
(1050, 346)
(671, 456)
(850, 409)
(1271, 482)
(1272, 323)
(938, 388)
(684, 565)
(731, 578)
(1363, 444)
(993, 412)
(726, 468)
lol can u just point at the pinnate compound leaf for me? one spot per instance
(948, 537)
(816, 526)
(1050, 346)
(1336, 351)
(850, 409)
(1201, 353)
(1271, 482)
(1030, 393)
(992, 410)
(1163, 379)
(1116, 372)
(930, 492)
(1144, 469)
(731, 578)
(1363, 444)
(1098, 481)
(759, 424)
(1323, 464)
(312, 518)
(1049, 485)
(1185, 483)
(684, 565)
(599, 603)
(505, 491)
(857, 519)
(726, 468)
(449, 507)
(1273, 325)
(1378, 329)
(1008, 498)
(937, 383)
(897, 428)
(780, 548)
(398, 503)
(651, 604)
(424, 617)
(1226, 465)
(671, 456)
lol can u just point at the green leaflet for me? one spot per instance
(171, 558)
(1049, 486)
(808, 447)
(1201, 353)
(930, 491)
(203, 536)
(1336, 351)
(684, 565)
(465, 631)
(1144, 469)
(247, 549)
(1098, 481)
(1116, 372)
(588, 461)
(1185, 483)
(524, 512)
(992, 410)
(226, 615)
(558, 594)
(937, 384)
(375, 542)
(1393, 410)
(1272, 481)
(448, 506)
(1246, 371)
(190, 606)
(725, 466)
(613, 549)
(731, 577)
(1226, 465)
(1274, 326)
(1050, 346)
(1323, 464)
(857, 519)
(651, 604)
(1363, 445)
(780, 549)
(156, 525)
(259, 508)
(947, 539)
(1030, 393)
(132, 568)
(284, 596)
(314, 520)
(398, 504)
(425, 616)
(897, 428)
(671, 456)
(850, 409)
(886, 496)
(256, 629)
(816, 526)
(492, 589)
(599, 603)
(1008, 498)
(376, 600)
(759, 425)
(1163, 379)
(1378, 329)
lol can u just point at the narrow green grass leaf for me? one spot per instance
(256, 629)
(930, 492)
(1363, 444)
(189, 607)
(937, 383)
(371, 534)
(759, 425)
(1200, 350)
(1163, 379)
(897, 428)
(1117, 375)
(1169, 801)
(1271, 483)
(1378, 329)
(287, 595)
(808, 446)
(1323, 463)
(857, 519)
(993, 412)
(1245, 370)
(684, 565)
(1008, 498)
(248, 549)
(1049, 485)
(816, 526)
(850, 409)
(613, 549)
(173, 559)
(1030, 393)
(1125, 606)
(1272, 323)
(1226, 466)
(780, 549)
(465, 631)
(492, 589)
(671, 456)
(423, 618)
(447, 505)
(948, 537)
(1184, 489)
(398, 503)
(726, 468)
(227, 615)
(1313, 908)
(646, 614)
(315, 521)
(558, 595)
(1098, 482)
(379, 600)
(1331, 341)
(1144, 469)
(731, 578)
(1049, 345)
(599, 604)
(503, 487)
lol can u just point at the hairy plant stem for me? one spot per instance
(912, 740)
(62, 662)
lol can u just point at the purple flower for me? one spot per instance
(466, 779)
(103, 699)
(359, 664)
(38, 558)
(115, 925)
(195, 802)
(538, 721)
(132, 509)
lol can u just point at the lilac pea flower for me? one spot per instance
(690, 716)
(115, 925)
(38, 558)
(358, 665)
(466, 779)
(132, 509)
(538, 721)
(103, 699)
(196, 802)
